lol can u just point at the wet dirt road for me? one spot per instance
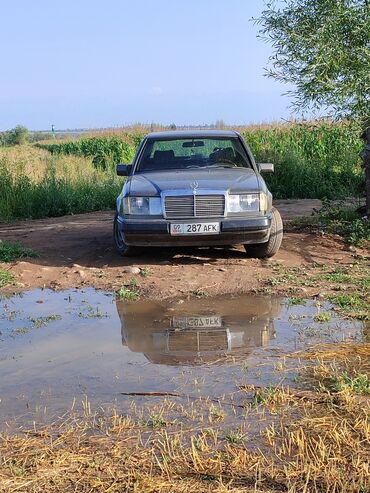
(77, 251)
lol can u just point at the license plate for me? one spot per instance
(195, 228)
(196, 322)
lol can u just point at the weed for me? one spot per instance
(337, 277)
(234, 436)
(92, 312)
(322, 317)
(133, 283)
(42, 321)
(156, 421)
(216, 414)
(9, 252)
(264, 395)
(343, 220)
(358, 383)
(346, 300)
(296, 301)
(20, 330)
(6, 278)
(145, 272)
(354, 302)
(127, 294)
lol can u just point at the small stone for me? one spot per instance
(222, 269)
(105, 266)
(180, 302)
(81, 273)
(131, 270)
(77, 266)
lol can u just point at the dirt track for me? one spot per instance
(77, 251)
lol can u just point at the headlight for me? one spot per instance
(142, 206)
(248, 202)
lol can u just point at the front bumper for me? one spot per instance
(156, 232)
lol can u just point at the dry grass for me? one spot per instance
(35, 163)
(292, 444)
(338, 352)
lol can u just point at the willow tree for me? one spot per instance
(322, 47)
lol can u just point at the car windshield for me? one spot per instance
(192, 153)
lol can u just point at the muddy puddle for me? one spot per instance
(57, 348)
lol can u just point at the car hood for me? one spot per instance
(233, 180)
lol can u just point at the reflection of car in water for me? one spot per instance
(199, 330)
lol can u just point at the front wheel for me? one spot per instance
(119, 241)
(271, 247)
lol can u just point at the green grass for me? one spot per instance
(322, 317)
(105, 152)
(346, 300)
(128, 294)
(311, 160)
(156, 421)
(6, 278)
(266, 395)
(346, 286)
(339, 219)
(359, 383)
(295, 300)
(235, 436)
(57, 192)
(9, 252)
(145, 272)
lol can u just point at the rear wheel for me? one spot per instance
(271, 247)
(119, 241)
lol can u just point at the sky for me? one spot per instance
(95, 63)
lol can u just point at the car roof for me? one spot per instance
(191, 134)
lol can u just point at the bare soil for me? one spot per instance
(77, 251)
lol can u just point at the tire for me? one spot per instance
(119, 241)
(271, 247)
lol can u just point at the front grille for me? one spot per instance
(194, 341)
(184, 206)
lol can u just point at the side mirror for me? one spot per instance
(123, 169)
(266, 167)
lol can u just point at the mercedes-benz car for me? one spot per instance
(196, 188)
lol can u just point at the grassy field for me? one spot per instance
(36, 184)
(312, 160)
(74, 176)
